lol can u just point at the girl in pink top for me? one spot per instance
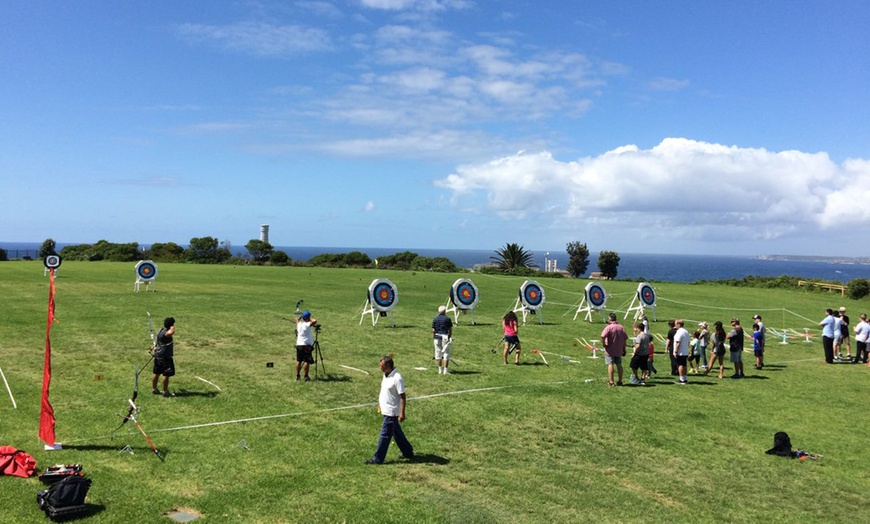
(511, 339)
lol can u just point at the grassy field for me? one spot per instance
(496, 443)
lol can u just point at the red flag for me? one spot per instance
(46, 414)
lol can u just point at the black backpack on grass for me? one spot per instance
(65, 498)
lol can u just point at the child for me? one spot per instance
(640, 355)
(758, 345)
(703, 343)
(718, 349)
(694, 355)
(511, 336)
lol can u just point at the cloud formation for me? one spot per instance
(681, 188)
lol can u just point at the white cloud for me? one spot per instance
(421, 5)
(259, 38)
(667, 84)
(678, 189)
(370, 206)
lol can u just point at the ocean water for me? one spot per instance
(634, 266)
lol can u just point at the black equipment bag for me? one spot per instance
(781, 445)
(65, 497)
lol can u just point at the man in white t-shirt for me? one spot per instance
(682, 342)
(391, 404)
(304, 344)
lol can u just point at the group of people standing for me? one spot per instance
(836, 334)
(686, 351)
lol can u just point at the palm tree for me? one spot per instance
(513, 256)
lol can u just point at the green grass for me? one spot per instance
(542, 446)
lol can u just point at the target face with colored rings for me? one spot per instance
(52, 261)
(647, 294)
(595, 295)
(463, 294)
(383, 294)
(531, 294)
(146, 270)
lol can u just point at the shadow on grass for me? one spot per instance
(333, 378)
(425, 459)
(454, 371)
(186, 393)
(126, 448)
(755, 377)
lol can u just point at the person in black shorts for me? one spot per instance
(164, 362)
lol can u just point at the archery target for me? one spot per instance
(463, 294)
(646, 294)
(146, 271)
(383, 294)
(531, 295)
(595, 295)
(52, 261)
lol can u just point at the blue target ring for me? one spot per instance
(646, 294)
(52, 261)
(463, 294)
(146, 271)
(383, 294)
(596, 296)
(532, 294)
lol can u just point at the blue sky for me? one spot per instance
(735, 127)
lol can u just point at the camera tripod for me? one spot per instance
(317, 354)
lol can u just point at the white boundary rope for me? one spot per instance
(212, 383)
(14, 405)
(327, 410)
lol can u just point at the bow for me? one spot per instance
(138, 370)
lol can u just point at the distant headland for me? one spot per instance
(814, 258)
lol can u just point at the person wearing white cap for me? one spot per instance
(759, 359)
(703, 340)
(442, 331)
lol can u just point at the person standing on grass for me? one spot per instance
(304, 344)
(682, 343)
(757, 344)
(862, 336)
(391, 404)
(510, 324)
(717, 344)
(164, 357)
(763, 329)
(695, 352)
(640, 356)
(844, 333)
(442, 331)
(827, 325)
(613, 338)
(703, 342)
(669, 346)
(735, 338)
(838, 336)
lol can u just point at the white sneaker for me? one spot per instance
(446, 372)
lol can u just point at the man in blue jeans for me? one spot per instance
(391, 404)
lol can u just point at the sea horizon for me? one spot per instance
(632, 266)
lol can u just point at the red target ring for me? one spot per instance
(52, 261)
(595, 295)
(146, 270)
(383, 294)
(463, 294)
(646, 294)
(531, 294)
